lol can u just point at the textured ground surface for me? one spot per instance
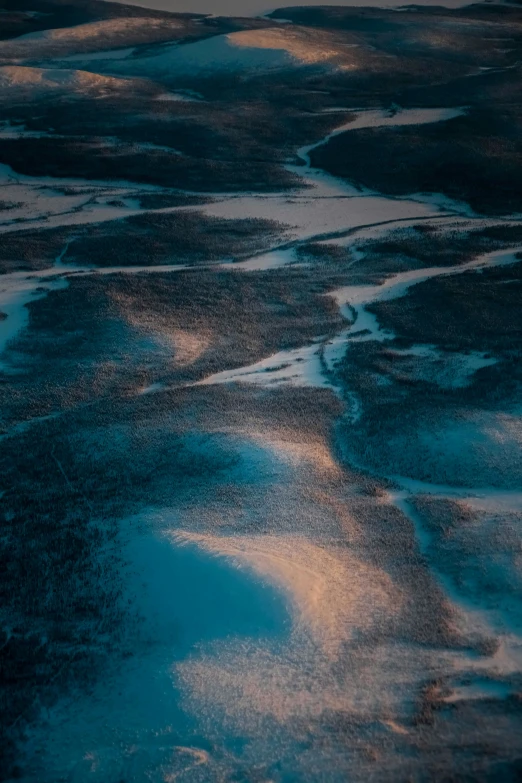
(260, 394)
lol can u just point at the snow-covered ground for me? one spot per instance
(243, 52)
(330, 207)
(327, 208)
(480, 617)
(314, 364)
(133, 723)
(298, 367)
(257, 7)
(294, 598)
(16, 291)
(44, 82)
(105, 39)
(379, 118)
(354, 298)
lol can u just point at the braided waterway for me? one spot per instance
(254, 607)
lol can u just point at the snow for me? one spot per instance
(449, 370)
(481, 689)
(70, 211)
(123, 26)
(259, 626)
(152, 389)
(49, 80)
(372, 118)
(110, 54)
(484, 499)
(107, 39)
(40, 201)
(133, 722)
(330, 206)
(314, 579)
(246, 51)
(219, 53)
(186, 95)
(20, 288)
(354, 298)
(321, 211)
(260, 7)
(298, 44)
(16, 291)
(274, 259)
(299, 367)
(313, 365)
(380, 118)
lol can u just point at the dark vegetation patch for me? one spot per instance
(60, 613)
(34, 15)
(445, 738)
(92, 160)
(76, 351)
(110, 336)
(6, 205)
(414, 427)
(68, 483)
(244, 317)
(93, 346)
(379, 24)
(439, 742)
(147, 30)
(173, 237)
(404, 249)
(19, 17)
(260, 127)
(332, 266)
(322, 254)
(476, 310)
(31, 250)
(391, 546)
(425, 245)
(464, 37)
(64, 487)
(504, 235)
(273, 114)
(376, 79)
(140, 240)
(358, 20)
(475, 158)
(164, 200)
(477, 550)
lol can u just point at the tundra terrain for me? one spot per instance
(260, 393)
